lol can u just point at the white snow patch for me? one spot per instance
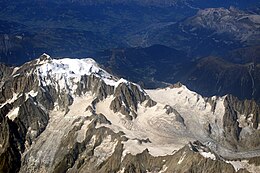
(72, 68)
(32, 94)
(14, 71)
(238, 164)
(45, 54)
(207, 155)
(92, 140)
(16, 75)
(105, 149)
(182, 158)
(181, 96)
(13, 113)
(115, 83)
(164, 169)
(81, 134)
(15, 96)
(122, 170)
(243, 164)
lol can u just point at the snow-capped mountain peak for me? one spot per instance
(69, 109)
(68, 72)
(71, 67)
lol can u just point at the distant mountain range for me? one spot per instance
(83, 28)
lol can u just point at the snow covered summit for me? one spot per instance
(70, 115)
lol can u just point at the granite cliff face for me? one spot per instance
(69, 115)
(241, 121)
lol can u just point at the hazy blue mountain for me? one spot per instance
(82, 28)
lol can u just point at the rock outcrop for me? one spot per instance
(127, 97)
(241, 121)
(5, 72)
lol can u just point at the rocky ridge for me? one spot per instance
(239, 24)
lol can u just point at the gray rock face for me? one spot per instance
(22, 81)
(5, 71)
(127, 97)
(213, 103)
(31, 120)
(169, 109)
(95, 85)
(178, 116)
(10, 146)
(14, 133)
(234, 123)
(185, 160)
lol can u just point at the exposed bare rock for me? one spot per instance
(176, 85)
(231, 126)
(246, 107)
(212, 102)
(185, 160)
(5, 72)
(255, 161)
(240, 115)
(101, 119)
(31, 120)
(6, 92)
(47, 96)
(90, 108)
(95, 85)
(4, 110)
(127, 98)
(243, 171)
(179, 118)
(169, 109)
(150, 103)
(10, 147)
